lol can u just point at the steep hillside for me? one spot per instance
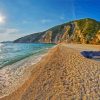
(78, 31)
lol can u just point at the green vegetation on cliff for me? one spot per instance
(78, 31)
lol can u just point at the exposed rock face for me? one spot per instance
(78, 31)
(47, 37)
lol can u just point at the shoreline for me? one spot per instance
(48, 61)
(17, 70)
(13, 76)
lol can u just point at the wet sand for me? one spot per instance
(15, 75)
(63, 74)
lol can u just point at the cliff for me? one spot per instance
(79, 31)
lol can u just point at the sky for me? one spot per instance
(22, 17)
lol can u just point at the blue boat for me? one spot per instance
(91, 54)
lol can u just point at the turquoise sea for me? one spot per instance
(11, 53)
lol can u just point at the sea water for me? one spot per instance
(11, 53)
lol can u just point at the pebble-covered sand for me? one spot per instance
(63, 74)
(13, 76)
(84, 47)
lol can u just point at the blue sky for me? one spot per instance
(22, 17)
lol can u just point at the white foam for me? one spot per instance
(12, 76)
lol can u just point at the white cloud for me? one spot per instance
(26, 21)
(45, 21)
(62, 17)
(8, 31)
(9, 34)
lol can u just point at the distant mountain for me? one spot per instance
(79, 31)
(7, 42)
